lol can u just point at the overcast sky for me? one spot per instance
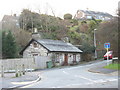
(59, 7)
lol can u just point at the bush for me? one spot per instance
(87, 57)
(67, 16)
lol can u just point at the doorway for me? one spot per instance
(65, 59)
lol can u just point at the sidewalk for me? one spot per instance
(10, 81)
(101, 69)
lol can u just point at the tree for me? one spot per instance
(28, 20)
(67, 16)
(108, 32)
(9, 47)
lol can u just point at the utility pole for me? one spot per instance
(95, 44)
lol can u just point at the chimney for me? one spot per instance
(66, 39)
(35, 34)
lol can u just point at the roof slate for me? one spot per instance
(96, 13)
(58, 46)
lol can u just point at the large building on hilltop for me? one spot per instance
(10, 22)
(87, 14)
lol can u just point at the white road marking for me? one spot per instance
(66, 72)
(91, 81)
(95, 82)
(84, 78)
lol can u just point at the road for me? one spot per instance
(76, 77)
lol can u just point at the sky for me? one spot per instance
(59, 7)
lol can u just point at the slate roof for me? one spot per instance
(55, 46)
(96, 13)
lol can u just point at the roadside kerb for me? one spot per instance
(31, 82)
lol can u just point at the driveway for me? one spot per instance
(76, 77)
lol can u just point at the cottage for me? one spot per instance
(57, 51)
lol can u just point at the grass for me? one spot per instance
(114, 66)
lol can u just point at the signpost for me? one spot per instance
(107, 46)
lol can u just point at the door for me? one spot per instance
(66, 59)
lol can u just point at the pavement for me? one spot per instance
(101, 69)
(10, 81)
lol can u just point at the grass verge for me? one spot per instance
(115, 66)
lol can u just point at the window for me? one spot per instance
(35, 54)
(74, 57)
(35, 44)
(57, 57)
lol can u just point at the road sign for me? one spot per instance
(107, 45)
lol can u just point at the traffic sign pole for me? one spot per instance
(107, 46)
(107, 57)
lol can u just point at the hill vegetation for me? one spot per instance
(79, 33)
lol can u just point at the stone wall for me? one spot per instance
(31, 51)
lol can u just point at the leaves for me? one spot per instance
(9, 47)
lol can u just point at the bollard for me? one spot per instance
(2, 68)
(20, 71)
(16, 73)
(23, 69)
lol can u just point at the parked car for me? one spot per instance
(109, 54)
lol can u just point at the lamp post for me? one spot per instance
(95, 44)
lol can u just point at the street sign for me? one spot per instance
(107, 45)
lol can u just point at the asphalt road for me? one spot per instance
(76, 77)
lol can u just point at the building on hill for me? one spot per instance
(10, 22)
(87, 14)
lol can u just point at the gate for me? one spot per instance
(41, 62)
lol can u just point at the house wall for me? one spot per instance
(70, 58)
(80, 15)
(31, 51)
(61, 57)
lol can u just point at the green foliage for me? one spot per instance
(74, 21)
(92, 25)
(74, 28)
(83, 22)
(51, 27)
(67, 16)
(28, 20)
(87, 48)
(9, 47)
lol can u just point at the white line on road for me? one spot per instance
(80, 76)
(95, 82)
(66, 72)
(84, 78)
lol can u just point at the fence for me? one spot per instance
(41, 62)
(11, 65)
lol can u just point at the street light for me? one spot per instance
(95, 44)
